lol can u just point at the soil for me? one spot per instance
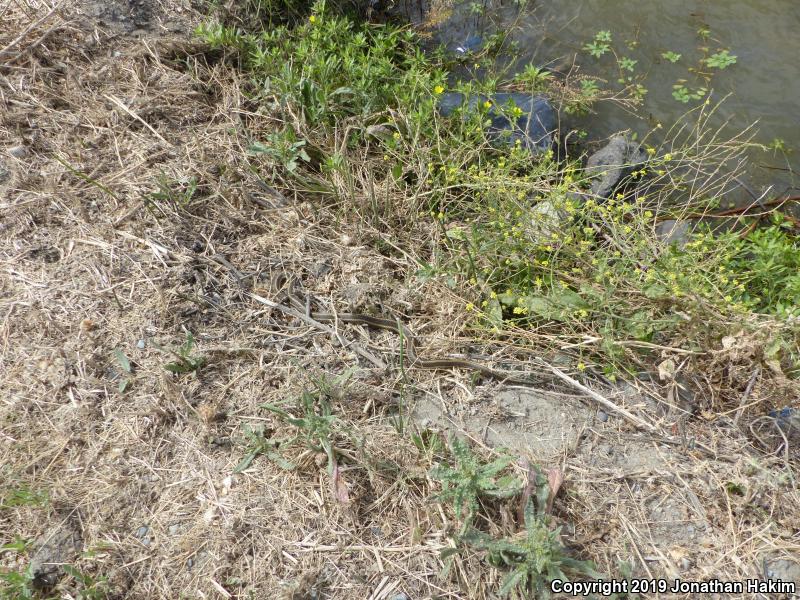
(126, 194)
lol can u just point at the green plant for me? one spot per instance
(469, 479)
(671, 56)
(533, 559)
(317, 429)
(627, 64)
(186, 361)
(259, 444)
(682, 93)
(534, 78)
(285, 148)
(126, 366)
(721, 60)
(766, 268)
(178, 192)
(778, 145)
(90, 588)
(22, 496)
(582, 102)
(13, 584)
(600, 44)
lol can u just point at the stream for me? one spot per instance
(760, 89)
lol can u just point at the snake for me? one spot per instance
(409, 352)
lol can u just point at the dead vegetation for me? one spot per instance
(131, 216)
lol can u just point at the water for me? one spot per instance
(763, 87)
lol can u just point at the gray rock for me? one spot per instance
(535, 128)
(674, 232)
(141, 534)
(546, 219)
(56, 547)
(18, 151)
(5, 173)
(613, 163)
(782, 569)
(140, 344)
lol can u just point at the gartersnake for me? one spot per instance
(413, 360)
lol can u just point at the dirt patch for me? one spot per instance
(530, 423)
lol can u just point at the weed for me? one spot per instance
(469, 479)
(534, 78)
(178, 193)
(532, 559)
(125, 365)
(90, 588)
(627, 64)
(671, 56)
(285, 148)
(778, 145)
(186, 361)
(259, 444)
(14, 585)
(721, 60)
(23, 496)
(600, 45)
(317, 426)
(682, 93)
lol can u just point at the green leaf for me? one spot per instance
(123, 360)
(246, 461)
(397, 171)
(512, 580)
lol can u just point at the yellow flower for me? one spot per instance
(470, 306)
(487, 104)
(581, 366)
(438, 90)
(312, 19)
(667, 157)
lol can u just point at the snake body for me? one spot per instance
(397, 326)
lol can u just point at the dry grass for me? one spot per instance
(89, 264)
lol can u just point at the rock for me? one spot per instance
(57, 546)
(18, 151)
(546, 219)
(5, 173)
(534, 128)
(613, 163)
(783, 570)
(602, 416)
(141, 534)
(472, 44)
(674, 232)
(140, 344)
(788, 419)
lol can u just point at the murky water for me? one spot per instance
(763, 86)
